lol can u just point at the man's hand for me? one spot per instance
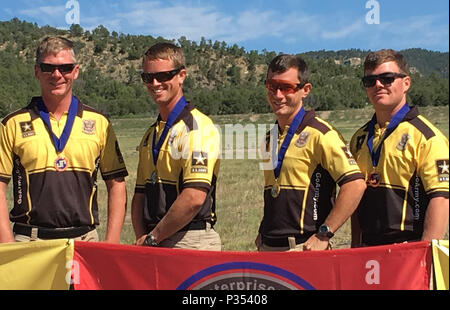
(316, 243)
(140, 241)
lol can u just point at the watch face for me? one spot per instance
(147, 241)
(324, 229)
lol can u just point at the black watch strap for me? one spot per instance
(324, 231)
(150, 240)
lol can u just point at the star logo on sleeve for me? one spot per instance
(199, 162)
(27, 129)
(443, 170)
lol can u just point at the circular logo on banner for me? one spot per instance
(245, 276)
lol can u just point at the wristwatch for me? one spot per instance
(150, 240)
(324, 231)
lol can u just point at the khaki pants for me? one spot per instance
(205, 239)
(91, 236)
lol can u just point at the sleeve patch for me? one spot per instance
(442, 169)
(199, 162)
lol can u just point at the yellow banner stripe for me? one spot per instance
(37, 265)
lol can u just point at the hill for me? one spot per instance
(222, 79)
(420, 60)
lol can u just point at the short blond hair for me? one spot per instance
(53, 45)
(166, 51)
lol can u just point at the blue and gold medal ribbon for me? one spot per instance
(395, 121)
(59, 143)
(287, 140)
(173, 116)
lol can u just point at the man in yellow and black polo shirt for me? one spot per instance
(405, 160)
(174, 201)
(53, 149)
(309, 157)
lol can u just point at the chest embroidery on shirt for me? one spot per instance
(302, 139)
(403, 142)
(89, 127)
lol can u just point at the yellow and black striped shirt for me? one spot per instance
(57, 190)
(316, 160)
(189, 157)
(413, 168)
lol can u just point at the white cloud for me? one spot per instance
(155, 18)
(344, 31)
(264, 25)
(43, 12)
(176, 21)
(416, 31)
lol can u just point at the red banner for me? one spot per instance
(124, 267)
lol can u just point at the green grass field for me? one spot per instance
(240, 184)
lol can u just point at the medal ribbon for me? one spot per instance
(395, 121)
(173, 116)
(287, 140)
(59, 143)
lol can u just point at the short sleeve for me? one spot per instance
(337, 158)
(433, 166)
(112, 164)
(6, 147)
(201, 151)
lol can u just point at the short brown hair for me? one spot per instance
(166, 51)
(284, 62)
(374, 59)
(53, 45)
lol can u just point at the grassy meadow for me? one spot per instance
(240, 184)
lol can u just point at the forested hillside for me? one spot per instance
(222, 78)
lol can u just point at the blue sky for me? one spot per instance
(289, 26)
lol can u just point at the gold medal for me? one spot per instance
(374, 179)
(275, 191)
(61, 163)
(154, 177)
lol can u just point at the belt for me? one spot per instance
(388, 238)
(52, 233)
(198, 225)
(282, 241)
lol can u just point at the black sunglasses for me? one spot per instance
(49, 68)
(160, 76)
(386, 78)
